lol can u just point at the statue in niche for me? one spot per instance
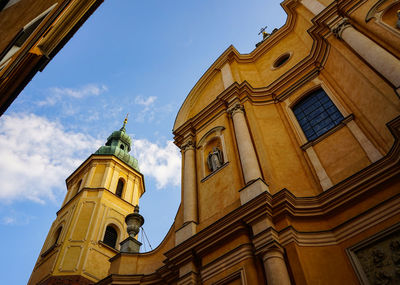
(214, 159)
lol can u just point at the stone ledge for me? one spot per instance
(252, 190)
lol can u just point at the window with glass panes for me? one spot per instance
(317, 114)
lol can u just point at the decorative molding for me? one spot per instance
(77, 262)
(374, 10)
(221, 264)
(338, 29)
(214, 172)
(188, 145)
(376, 260)
(240, 274)
(217, 130)
(285, 203)
(236, 108)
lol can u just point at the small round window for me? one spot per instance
(281, 60)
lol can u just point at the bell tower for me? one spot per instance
(90, 225)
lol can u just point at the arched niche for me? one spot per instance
(211, 142)
(385, 14)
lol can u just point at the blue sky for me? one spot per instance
(136, 57)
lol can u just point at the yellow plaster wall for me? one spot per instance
(207, 94)
(369, 97)
(277, 156)
(226, 180)
(267, 74)
(319, 265)
(248, 72)
(348, 156)
(98, 175)
(84, 219)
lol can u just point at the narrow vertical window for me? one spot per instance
(317, 114)
(77, 187)
(57, 235)
(110, 236)
(120, 188)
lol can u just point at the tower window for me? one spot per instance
(78, 186)
(120, 188)
(57, 235)
(110, 236)
(122, 147)
(317, 114)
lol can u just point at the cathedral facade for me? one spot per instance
(290, 167)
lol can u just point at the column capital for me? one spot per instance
(273, 252)
(236, 108)
(338, 29)
(188, 145)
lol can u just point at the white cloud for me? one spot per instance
(36, 157)
(145, 101)
(87, 90)
(147, 112)
(163, 163)
(8, 220)
(58, 93)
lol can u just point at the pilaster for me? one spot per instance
(379, 58)
(247, 154)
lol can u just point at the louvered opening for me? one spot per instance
(110, 237)
(120, 188)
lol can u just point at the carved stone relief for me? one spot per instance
(378, 260)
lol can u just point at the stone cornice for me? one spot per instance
(231, 54)
(282, 204)
(86, 189)
(285, 203)
(283, 86)
(99, 157)
(219, 106)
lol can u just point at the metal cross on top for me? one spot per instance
(264, 33)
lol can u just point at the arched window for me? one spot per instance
(317, 114)
(57, 236)
(110, 236)
(120, 188)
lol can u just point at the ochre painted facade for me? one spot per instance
(74, 250)
(265, 202)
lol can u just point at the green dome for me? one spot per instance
(119, 144)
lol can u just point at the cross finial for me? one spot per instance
(264, 33)
(125, 121)
(262, 30)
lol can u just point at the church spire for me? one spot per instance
(119, 144)
(125, 122)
